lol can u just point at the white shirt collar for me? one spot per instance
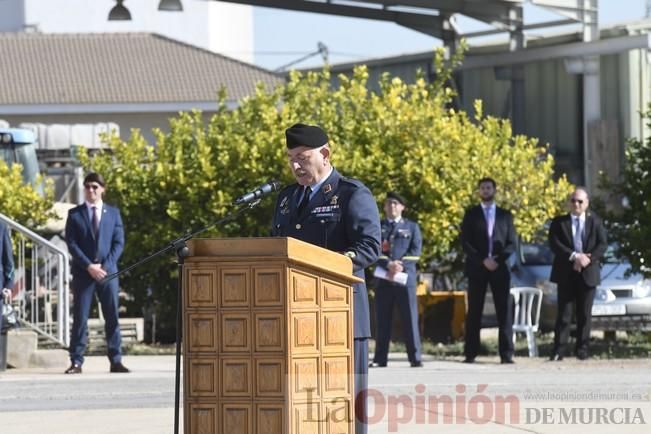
(580, 217)
(99, 205)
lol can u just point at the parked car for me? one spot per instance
(621, 302)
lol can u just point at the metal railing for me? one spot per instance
(41, 291)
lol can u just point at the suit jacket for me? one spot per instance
(403, 243)
(342, 216)
(474, 238)
(7, 260)
(562, 244)
(83, 246)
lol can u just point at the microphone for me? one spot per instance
(263, 190)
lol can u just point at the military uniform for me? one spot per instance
(400, 241)
(341, 216)
(6, 264)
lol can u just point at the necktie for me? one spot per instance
(578, 240)
(95, 221)
(490, 224)
(304, 201)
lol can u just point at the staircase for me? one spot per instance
(41, 292)
(23, 351)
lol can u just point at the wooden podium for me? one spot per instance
(267, 338)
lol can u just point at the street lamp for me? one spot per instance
(170, 5)
(119, 12)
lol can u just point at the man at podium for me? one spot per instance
(338, 213)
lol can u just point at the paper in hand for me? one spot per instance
(399, 278)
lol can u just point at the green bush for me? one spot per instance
(630, 225)
(404, 137)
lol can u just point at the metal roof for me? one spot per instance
(117, 68)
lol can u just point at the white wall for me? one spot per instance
(216, 26)
(145, 122)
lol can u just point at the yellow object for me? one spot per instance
(458, 309)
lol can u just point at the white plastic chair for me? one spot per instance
(526, 318)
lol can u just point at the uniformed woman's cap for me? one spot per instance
(305, 135)
(396, 196)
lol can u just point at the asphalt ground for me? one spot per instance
(533, 395)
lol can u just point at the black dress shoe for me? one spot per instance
(555, 357)
(582, 355)
(417, 364)
(377, 365)
(119, 368)
(73, 369)
(469, 360)
(507, 361)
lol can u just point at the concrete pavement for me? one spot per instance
(533, 395)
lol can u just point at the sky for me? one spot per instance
(282, 37)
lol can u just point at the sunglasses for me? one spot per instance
(579, 201)
(91, 186)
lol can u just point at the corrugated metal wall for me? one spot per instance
(553, 99)
(553, 108)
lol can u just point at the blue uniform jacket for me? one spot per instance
(7, 262)
(403, 243)
(343, 217)
(83, 246)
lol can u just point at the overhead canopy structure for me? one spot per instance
(436, 17)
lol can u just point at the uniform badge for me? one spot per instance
(327, 189)
(334, 199)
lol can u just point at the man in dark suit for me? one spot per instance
(340, 214)
(578, 240)
(488, 238)
(95, 239)
(6, 265)
(401, 247)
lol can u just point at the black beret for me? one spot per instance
(305, 135)
(94, 177)
(396, 196)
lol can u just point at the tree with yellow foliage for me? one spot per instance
(402, 138)
(21, 201)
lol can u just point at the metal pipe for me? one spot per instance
(576, 49)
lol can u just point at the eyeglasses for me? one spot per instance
(579, 201)
(91, 186)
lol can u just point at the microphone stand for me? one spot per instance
(180, 247)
